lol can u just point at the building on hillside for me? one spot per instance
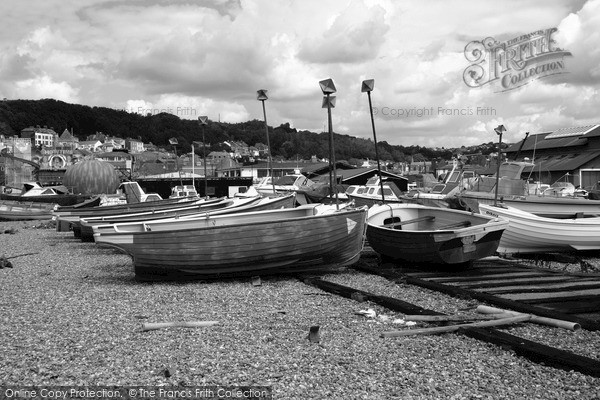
(420, 167)
(566, 154)
(91, 145)
(238, 149)
(134, 146)
(97, 136)
(112, 144)
(66, 142)
(122, 161)
(40, 137)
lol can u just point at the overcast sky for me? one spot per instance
(193, 58)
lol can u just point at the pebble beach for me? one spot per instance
(72, 315)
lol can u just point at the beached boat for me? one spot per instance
(180, 191)
(307, 238)
(438, 194)
(558, 200)
(284, 184)
(65, 216)
(35, 192)
(431, 235)
(22, 211)
(530, 233)
(225, 206)
(370, 193)
(320, 192)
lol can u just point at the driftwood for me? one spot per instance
(453, 328)
(150, 326)
(453, 318)
(572, 326)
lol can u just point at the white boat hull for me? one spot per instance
(530, 233)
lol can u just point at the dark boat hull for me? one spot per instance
(437, 236)
(60, 199)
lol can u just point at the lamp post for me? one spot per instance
(368, 86)
(499, 130)
(262, 96)
(328, 88)
(203, 122)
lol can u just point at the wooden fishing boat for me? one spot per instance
(226, 206)
(186, 209)
(531, 233)
(308, 237)
(22, 211)
(283, 184)
(431, 235)
(34, 192)
(68, 215)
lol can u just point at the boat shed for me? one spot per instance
(360, 176)
(566, 154)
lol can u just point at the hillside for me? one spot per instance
(285, 141)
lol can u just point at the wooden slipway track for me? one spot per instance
(508, 284)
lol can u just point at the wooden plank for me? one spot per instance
(551, 294)
(534, 351)
(485, 278)
(410, 221)
(506, 284)
(572, 286)
(501, 302)
(537, 351)
(389, 302)
(454, 225)
(440, 274)
(563, 299)
(580, 305)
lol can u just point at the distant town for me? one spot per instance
(42, 149)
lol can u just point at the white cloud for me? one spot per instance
(44, 87)
(212, 57)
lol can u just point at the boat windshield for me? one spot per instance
(513, 170)
(286, 180)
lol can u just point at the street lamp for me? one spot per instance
(203, 121)
(262, 96)
(499, 130)
(368, 86)
(328, 88)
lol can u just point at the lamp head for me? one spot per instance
(262, 95)
(328, 101)
(368, 85)
(327, 86)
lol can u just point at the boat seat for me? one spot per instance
(398, 224)
(460, 224)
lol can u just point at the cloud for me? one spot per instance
(44, 88)
(355, 35)
(212, 56)
(579, 33)
(186, 107)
